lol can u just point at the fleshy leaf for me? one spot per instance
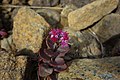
(50, 53)
(44, 56)
(63, 51)
(58, 61)
(60, 68)
(49, 43)
(44, 70)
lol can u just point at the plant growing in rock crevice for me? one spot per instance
(51, 55)
(50, 58)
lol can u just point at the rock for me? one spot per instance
(51, 16)
(83, 44)
(118, 8)
(91, 13)
(43, 2)
(68, 8)
(12, 68)
(64, 14)
(78, 3)
(108, 27)
(6, 43)
(16, 1)
(14, 12)
(54, 2)
(29, 29)
(5, 1)
(92, 69)
(64, 21)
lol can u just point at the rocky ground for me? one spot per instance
(93, 27)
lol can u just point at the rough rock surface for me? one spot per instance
(118, 8)
(11, 67)
(43, 2)
(29, 29)
(51, 16)
(67, 9)
(108, 27)
(64, 14)
(90, 13)
(64, 21)
(93, 69)
(16, 1)
(78, 3)
(83, 44)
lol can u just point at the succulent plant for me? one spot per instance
(51, 55)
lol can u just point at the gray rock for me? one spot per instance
(29, 29)
(92, 69)
(108, 27)
(51, 16)
(43, 2)
(18, 2)
(6, 43)
(87, 15)
(14, 12)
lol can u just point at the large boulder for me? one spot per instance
(107, 27)
(90, 13)
(29, 29)
(92, 69)
(83, 44)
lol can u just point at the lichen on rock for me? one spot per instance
(29, 29)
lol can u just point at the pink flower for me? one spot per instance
(57, 35)
(64, 43)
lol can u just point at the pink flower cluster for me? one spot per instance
(57, 35)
